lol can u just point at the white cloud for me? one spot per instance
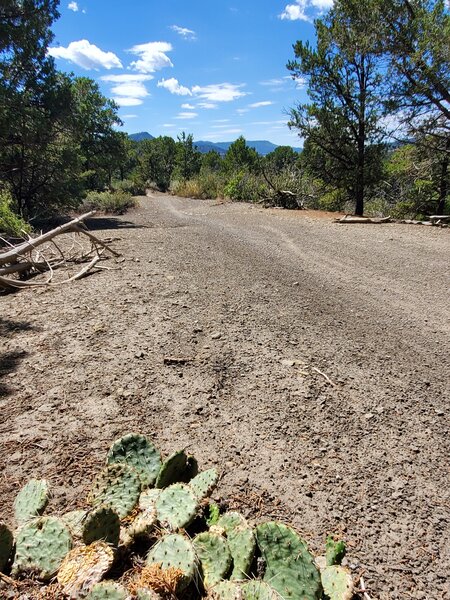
(126, 78)
(152, 57)
(185, 33)
(134, 89)
(73, 6)
(174, 87)
(186, 115)
(242, 111)
(259, 104)
(220, 92)
(129, 116)
(168, 125)
(124, 101)
(322, 5)
(86, 55)
(297, 11)
(221, 121)
(272, 82)
(188, 106)
(207, 105)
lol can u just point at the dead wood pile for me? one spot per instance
(21, 264)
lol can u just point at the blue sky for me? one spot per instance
(214, 68)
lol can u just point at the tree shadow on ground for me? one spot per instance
(8, 327)
(9, 362)
(93, 223)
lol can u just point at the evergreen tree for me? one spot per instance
(341, 123)
(188, 159)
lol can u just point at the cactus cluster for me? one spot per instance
(149, 532)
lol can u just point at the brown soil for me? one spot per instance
(316, 374)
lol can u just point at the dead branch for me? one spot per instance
(12, 255)
(42, 254)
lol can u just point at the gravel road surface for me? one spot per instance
(315, 373)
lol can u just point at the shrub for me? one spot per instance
(109, 202)
(246, 187)
(130, 186)
(205, 185)
(11, 225)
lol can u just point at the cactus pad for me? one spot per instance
(83, 567)
(74, 521)
(41, 546)
(179, 467)
(176, 506)
(204, 483)
(138, 452)
(337, 583)
(108, 590)
(258, 590)
(148, 498)
(175, 551)
(102, 523)
(142, 526)
(231, 520)
(243, 590)
(290, 568)
(335, 551)
(214, 556)
(31, 501)
(117, 486)
(242, 544)
(6, 545)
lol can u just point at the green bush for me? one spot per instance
(246, 187)
(109, 202)
(130, 186)
(11, 225)
(205, 185)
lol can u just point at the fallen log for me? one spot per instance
(37, 255)
(352, 219)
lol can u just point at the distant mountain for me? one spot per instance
(263, 147)
(139, 137)
(205, 147)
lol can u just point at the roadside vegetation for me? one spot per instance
(376, 127)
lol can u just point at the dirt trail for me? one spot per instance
(317, 376)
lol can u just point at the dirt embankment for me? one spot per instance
(316, 374)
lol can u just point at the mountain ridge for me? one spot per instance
(263, 147)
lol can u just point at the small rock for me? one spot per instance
(368, 416)
(287, 363)
(216, 336)
(296, 283)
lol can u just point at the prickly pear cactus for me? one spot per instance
(83, 567)
(258, 590)
(335, 551)
(242, 544)
(214, 556)
(231, 520)
(74, 521)
(138, 452)
(148, 498)
(225, 590)
(6, 545)
(290, 568)
(176, 551)
(108, 590)
(179, 467)
(102, 523)
(176, 506)
(118, 486)
(141, 527)
(337, 583)
(41, 546)
(204, 483)
(31, 501)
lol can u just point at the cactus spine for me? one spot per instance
(138, 452)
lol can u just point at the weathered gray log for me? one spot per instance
(13, 254)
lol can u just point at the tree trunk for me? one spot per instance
(443, 182)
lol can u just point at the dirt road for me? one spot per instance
(316, 374)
